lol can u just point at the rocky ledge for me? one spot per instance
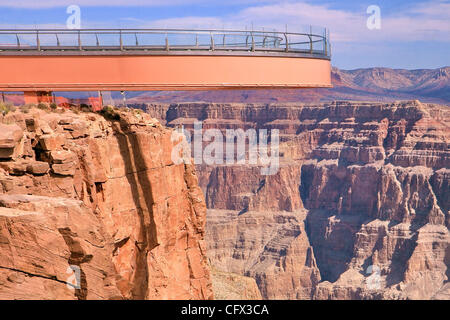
(92, 207)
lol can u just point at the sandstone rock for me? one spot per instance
(271, 247)
(14, 167)
(10, 136)
(64, 169)
(56, 224)
(119, 210)
(229, 286)
(38, 167)
(77, 129)
(62, 156)
(50, 142)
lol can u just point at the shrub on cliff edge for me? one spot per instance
(5, 108)
(109, 113)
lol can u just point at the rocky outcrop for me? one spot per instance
(231, 286)
(359, 208)
(93, 207)
(271, 247)
(250, 194)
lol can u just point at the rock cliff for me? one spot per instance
(92, 207)
(359, 208)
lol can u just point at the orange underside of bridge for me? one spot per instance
(160, 72)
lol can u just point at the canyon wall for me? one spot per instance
(359, 208)
(92, 207)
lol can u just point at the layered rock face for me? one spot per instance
(231, 286)
(359, 208)
(92, 208)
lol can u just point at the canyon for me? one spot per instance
(359, 208)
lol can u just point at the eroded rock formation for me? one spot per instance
(359, 208)
(92, 208)
(232, 286)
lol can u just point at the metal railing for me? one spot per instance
(164, 40)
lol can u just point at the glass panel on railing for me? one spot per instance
(181, 39)
(129, 39)
(68, 39)
(151, 39)
(46, 40)
(8, 40)
(107, 39)
(89, 40)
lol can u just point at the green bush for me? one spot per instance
(53, 106)
(85, 108)
(5, 108)
(109, 113)
(42, 106)
(27, 107)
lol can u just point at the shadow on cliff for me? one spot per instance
(132, 155)
(331, 235)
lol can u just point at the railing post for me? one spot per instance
(223, 41)
(253, 42)
(167, 43)
(121, 41)
(287, 43)
(329, 43)
(137, 42)
(96, 40)
(325, 42)
(310, 40)
(79, 40)
(212, 42)
(38, 43)
(57, 40)
(329, 46)
(18, 40)
(310, 44)
(196, 39)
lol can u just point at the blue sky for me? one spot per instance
(414, 34)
